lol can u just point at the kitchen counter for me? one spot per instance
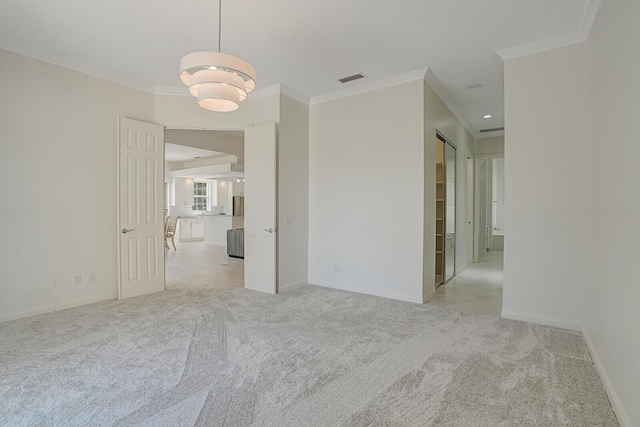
(216, 226)
(191, 228)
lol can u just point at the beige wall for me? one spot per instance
(571, 196)
(612, 312)
(58, 139)
(488, 146)
(365, 192)
(293, 192)
(548, 161)
(372, 190)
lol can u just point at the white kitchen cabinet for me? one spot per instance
(188, 192)
(183, 192)
(222, 193)
(197, 229)
(191, 229)
(184, 226)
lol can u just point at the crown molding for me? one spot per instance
(266, 92)
(72, 65)
(540, 46)
(437, 87)
(588, 17)
(288, 92)
(280, 89)
(369, 86)
(584, 28)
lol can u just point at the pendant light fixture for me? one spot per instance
(219, 81)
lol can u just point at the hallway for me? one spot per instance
(477, 290)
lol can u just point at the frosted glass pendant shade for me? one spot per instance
(218, 76)
(218, 97)
(211, 71)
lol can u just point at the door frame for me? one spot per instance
(476, 200)
(445, 140)
(243, 129)
(469, 207)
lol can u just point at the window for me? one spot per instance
(200, 196)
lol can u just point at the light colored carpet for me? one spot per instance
(307, 357)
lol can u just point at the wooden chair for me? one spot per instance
(170, 231)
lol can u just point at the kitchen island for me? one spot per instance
(216, 226)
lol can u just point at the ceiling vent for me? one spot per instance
(351, 78)
(491, 130)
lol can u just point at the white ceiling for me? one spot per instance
(181, 153)
(304, 45)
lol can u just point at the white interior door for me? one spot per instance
(260, 208)
(481, 196)
(469, 216)
(140, 214)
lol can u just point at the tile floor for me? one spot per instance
(198, 266)
(477, 290)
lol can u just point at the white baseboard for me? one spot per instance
(287, 286)
(375, 294)
(540, 320)
(623, 418)
(56, 307)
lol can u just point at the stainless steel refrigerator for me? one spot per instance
(238, 205)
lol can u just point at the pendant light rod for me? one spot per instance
(220, 81)
(219, 25)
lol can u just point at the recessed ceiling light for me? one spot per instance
(487, 116)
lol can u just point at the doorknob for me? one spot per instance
(269, 230)
(125, 231)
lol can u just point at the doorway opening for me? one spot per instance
(204, 187)
(478, 288)
(489, 206)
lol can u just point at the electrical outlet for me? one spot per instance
(337, 268)
(78, 279)
(51, 282)
(601, 327)
(287, 221)
(92, 277)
